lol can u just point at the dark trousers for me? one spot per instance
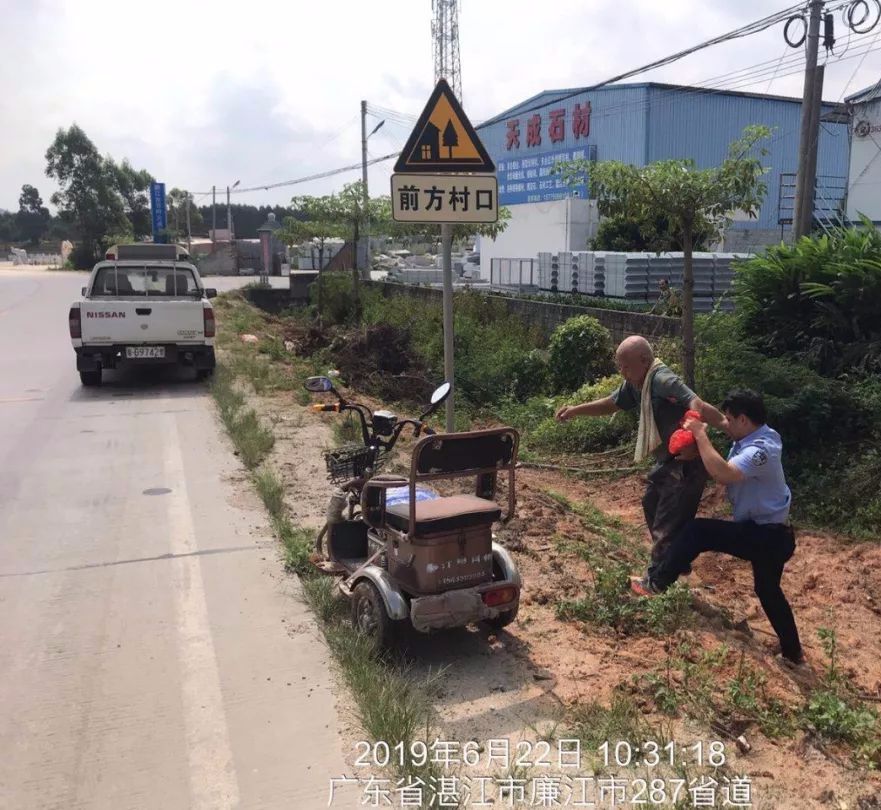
(767, 547)
(670, 502)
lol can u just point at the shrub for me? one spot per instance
(609, 604)
(337, 298)
(530, 375)
(817, 299)
(491, 348)
(542, 432)
(580, 351)
(831, 429)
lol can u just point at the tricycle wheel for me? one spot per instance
(370, 617)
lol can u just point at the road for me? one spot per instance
(152, 654)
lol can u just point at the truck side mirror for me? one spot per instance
(210, 292)
(83, 291)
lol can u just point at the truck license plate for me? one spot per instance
(144, 352)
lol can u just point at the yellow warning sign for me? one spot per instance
(443, 139)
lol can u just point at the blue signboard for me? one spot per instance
(528, 178)
(157, 209)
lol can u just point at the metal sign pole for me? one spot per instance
(447, 250)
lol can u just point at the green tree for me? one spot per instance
(88, 196)
(427, 232)
(621, 233)
(176, 203)
(8, 227)
(315, 219)
(133, 187)
(356, 214)
(32, 219)
(344, 215)
(694, 201)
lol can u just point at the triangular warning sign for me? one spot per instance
(443, 139)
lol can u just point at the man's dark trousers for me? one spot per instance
(766, 546)
(671, 502)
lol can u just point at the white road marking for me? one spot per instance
(213, 782)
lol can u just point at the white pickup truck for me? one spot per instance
(144, 304)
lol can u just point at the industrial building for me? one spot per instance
(640, 124)
(864, 196)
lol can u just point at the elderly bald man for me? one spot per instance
(675, 484)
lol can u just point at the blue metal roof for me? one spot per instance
(645, 122)
(865, 95)
(548, 97)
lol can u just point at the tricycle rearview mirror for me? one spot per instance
(318, 384)
(440, 393)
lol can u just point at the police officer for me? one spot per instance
(675, 485)
(760, 531)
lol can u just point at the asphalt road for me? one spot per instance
(152, 655)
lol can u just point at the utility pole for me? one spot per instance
(365, 196)
(228, 216)
(447, 65)
(810, 127)
(189, 235)
(447, 250)
(213, 214)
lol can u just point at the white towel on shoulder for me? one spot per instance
(647, 438)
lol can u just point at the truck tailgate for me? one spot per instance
(142, 322)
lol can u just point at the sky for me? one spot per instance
(206, 94)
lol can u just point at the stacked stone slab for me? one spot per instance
(636, 276)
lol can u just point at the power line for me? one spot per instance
(732, 81)
(747, 30)
(726, 82)
(308, 178)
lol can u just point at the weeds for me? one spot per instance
(393, 705)
(251, 440)
(834, 712)
(594, 724)
(610, 604)
(271, 491)
(346, 431)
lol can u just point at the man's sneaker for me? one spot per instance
(642, 586)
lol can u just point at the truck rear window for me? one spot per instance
(147, 281)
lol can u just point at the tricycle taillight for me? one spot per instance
(74, 322)
(499, 596)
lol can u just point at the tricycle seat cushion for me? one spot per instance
(444, 514)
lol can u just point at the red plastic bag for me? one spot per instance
(681, 438)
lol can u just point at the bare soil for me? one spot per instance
(524, 681)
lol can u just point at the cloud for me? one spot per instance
(203, 95)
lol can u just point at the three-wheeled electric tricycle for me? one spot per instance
(408, 554)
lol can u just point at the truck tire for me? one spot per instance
(90, 378)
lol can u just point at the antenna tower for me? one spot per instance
(445, 35)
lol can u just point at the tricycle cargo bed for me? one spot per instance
(453, 559)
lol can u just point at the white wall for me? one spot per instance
(865, 162)
(536, 227)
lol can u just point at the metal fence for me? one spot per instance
(513, 274)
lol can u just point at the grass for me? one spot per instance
(834, 712)
(609, 603)
(613, 551)
(251, 439)
(392, 704)
(690, 683)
